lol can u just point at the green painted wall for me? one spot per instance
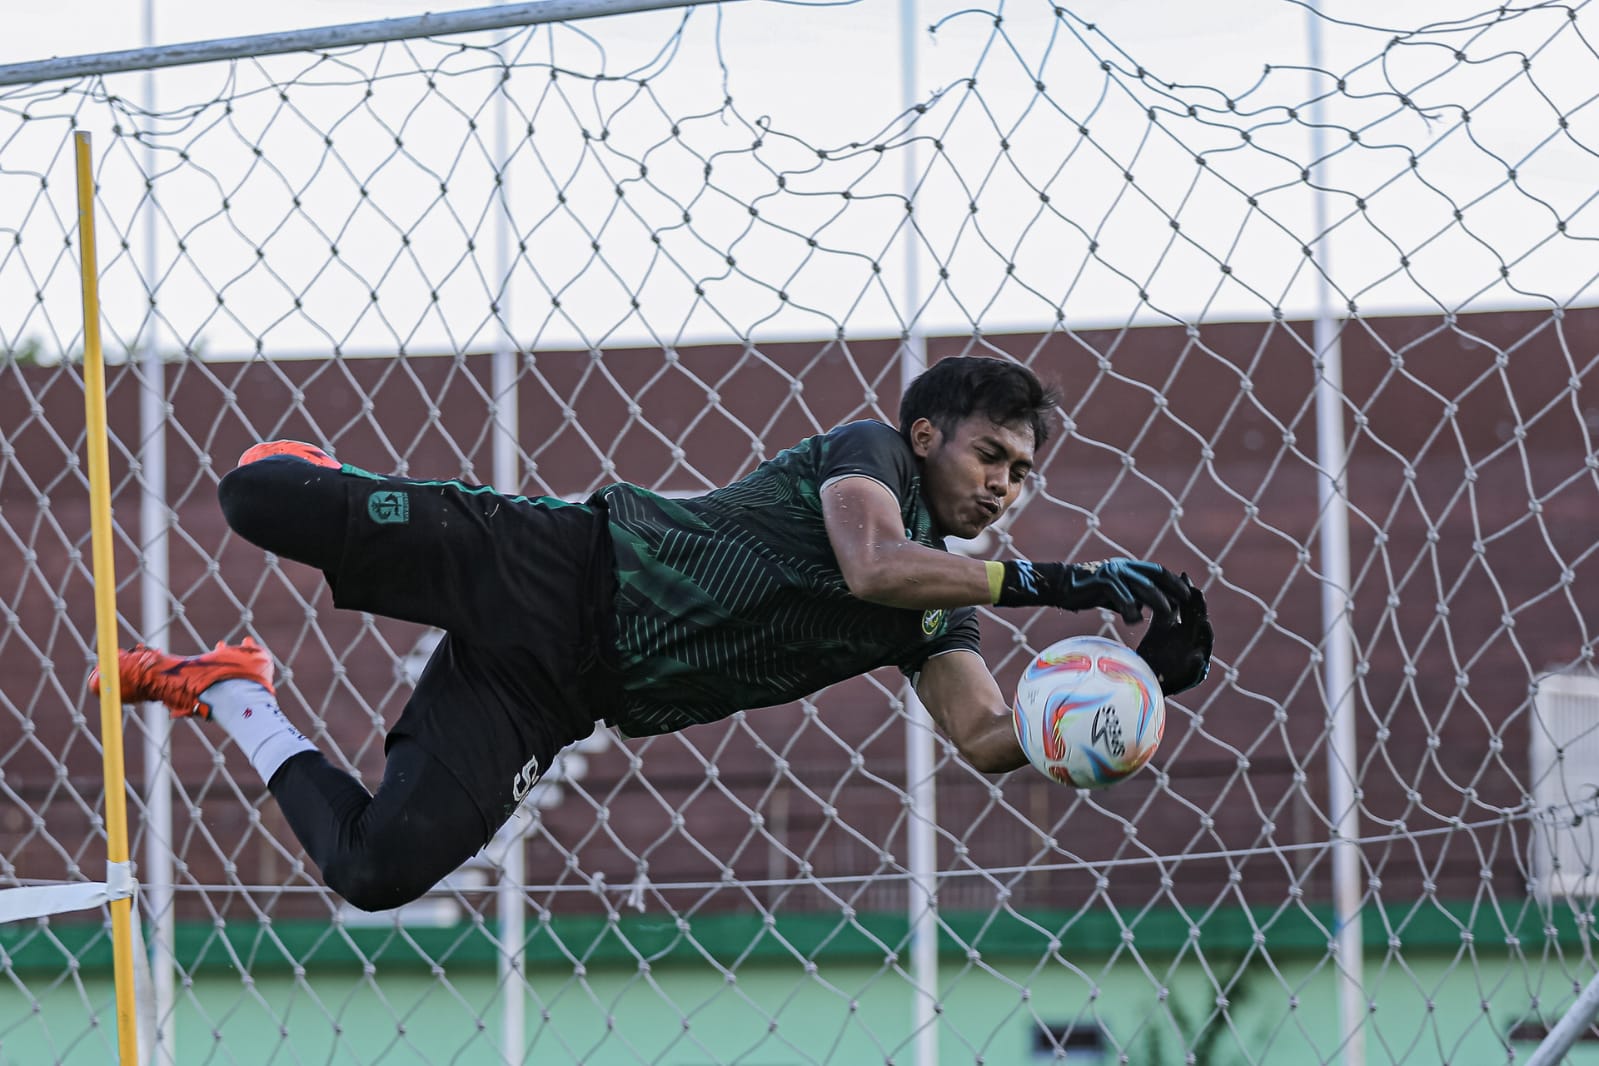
(848, 1013)
(804, 992)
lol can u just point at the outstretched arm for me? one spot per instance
(966, 705)
(882, 565)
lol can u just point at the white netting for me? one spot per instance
(688, 230)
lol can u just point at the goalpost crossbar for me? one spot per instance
(345, 35)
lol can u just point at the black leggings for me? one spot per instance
(377, 851)
(383, 850)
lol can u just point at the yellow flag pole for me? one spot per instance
(105, 605)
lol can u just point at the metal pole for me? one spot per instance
(922, 890)
(1343, 787)
(1571, 1026)
(155, 620)
(502, 17)
(510, 899)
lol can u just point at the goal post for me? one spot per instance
(105, 606)
(1325, 332)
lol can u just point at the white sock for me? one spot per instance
(247, 712)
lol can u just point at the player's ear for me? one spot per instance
(924, 437)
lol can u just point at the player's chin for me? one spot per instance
(976, 526)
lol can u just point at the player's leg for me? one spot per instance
(376, 850)
(384, 849)
(440, 553)
(230, 685)
(293, 503)
(465, 751)
(479, 729)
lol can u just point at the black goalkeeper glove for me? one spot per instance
(1125, 586)
(1178, 647)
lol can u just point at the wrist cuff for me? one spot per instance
(996, 580)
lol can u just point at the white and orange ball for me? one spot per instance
(1088, 712)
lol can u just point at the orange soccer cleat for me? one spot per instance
(297, 449)
(148, 675)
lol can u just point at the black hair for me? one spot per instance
(953, 389)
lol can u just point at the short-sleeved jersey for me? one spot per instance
(734, 600)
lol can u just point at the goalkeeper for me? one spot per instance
(648, 614)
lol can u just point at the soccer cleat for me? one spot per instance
(152, 676)
(296, 449)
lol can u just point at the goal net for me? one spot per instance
(1320, 297)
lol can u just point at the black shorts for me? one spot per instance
(523, 589)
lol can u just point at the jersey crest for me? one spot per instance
(389, 507)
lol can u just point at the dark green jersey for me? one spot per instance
(734, 599)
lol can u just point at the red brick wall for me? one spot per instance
(1221, 484)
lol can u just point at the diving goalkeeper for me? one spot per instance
(648, 614)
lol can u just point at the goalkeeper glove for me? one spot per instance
(1125, 586)
(1178, 647)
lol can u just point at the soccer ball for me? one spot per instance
(1088, 712)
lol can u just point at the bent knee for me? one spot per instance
(245, 495)
(370, 886)
(286, 506)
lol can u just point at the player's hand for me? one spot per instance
(1125, 586)
(1178, 647)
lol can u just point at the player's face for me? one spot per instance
(972, 474)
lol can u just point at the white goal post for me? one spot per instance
(1318, 295)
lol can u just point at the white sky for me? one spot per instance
(828, 77)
